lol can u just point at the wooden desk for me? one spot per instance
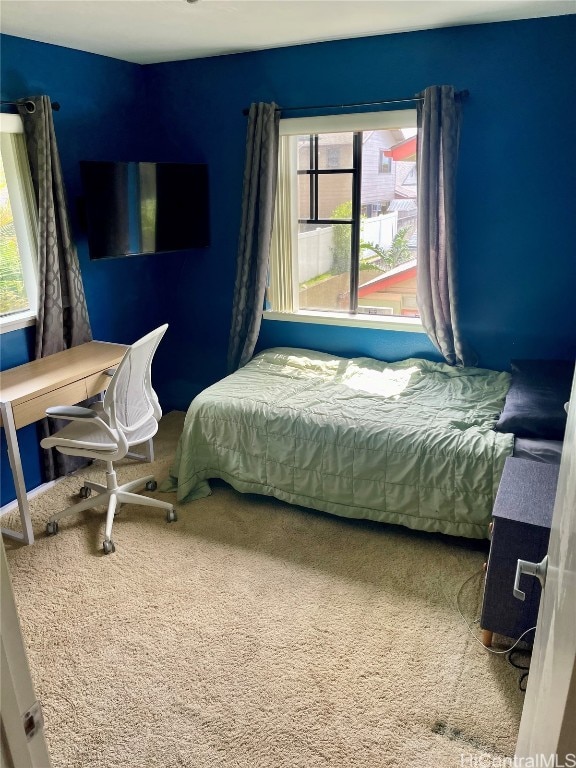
(65, 378)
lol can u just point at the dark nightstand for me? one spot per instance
(521, 529)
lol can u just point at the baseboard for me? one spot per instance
(12, 506)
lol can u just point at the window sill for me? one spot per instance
(16, 321)
(380, 322)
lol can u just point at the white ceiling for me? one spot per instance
(147, 31)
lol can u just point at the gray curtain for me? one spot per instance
(438, 138)
(260, 175)
(62, 314)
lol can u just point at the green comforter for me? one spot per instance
(408, 443)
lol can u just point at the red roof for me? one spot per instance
(404, 150)
(388, 279)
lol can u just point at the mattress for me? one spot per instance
(547, 451)
(409, 443)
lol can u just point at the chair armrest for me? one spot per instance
(71, 412)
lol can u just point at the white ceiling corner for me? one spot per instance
(149, 31)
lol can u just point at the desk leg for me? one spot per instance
(149, 450)
(147, 455)
(27, 535)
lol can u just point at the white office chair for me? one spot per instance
(128, 416)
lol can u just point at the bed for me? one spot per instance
(410, 443)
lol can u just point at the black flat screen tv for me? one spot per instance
(138, 208)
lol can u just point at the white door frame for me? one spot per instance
(23, 741)
(548, 725)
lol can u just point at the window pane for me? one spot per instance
(387, 280)
(12, 293)
(335, 196)
(324, 267)
(304, 159)
(304, 196)
(334, 150)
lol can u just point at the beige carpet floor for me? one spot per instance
(252, 633)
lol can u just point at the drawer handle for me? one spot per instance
(530, 569)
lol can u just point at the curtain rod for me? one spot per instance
(30, 106)
(459, 96)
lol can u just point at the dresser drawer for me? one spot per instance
(32, 410)
(97, 383)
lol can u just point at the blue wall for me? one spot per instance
(102, 104)
(516, 226)
(102, 101)
(516, 172)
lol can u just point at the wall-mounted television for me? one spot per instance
(137, 208)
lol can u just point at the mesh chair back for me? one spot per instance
(130, 395)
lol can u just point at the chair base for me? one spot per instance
(112, 495)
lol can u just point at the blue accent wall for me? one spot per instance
(101, 117)
(348, 341)
(106, 114)
(516, 225)
(516, 228)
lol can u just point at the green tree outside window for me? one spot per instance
(12, 292)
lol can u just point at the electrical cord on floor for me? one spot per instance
(471, 631)
(523, 677)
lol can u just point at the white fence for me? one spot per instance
(380, 230)
(315, 247)
(314, 253)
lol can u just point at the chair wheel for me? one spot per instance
(151, 485)
(171, 516)
(85, 492)
(52, 528)
(108, 547)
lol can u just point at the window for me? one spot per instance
(385, 162)
(18, 289)
(344, 240)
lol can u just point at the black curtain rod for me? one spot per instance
(30, 106)
(459, 96)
